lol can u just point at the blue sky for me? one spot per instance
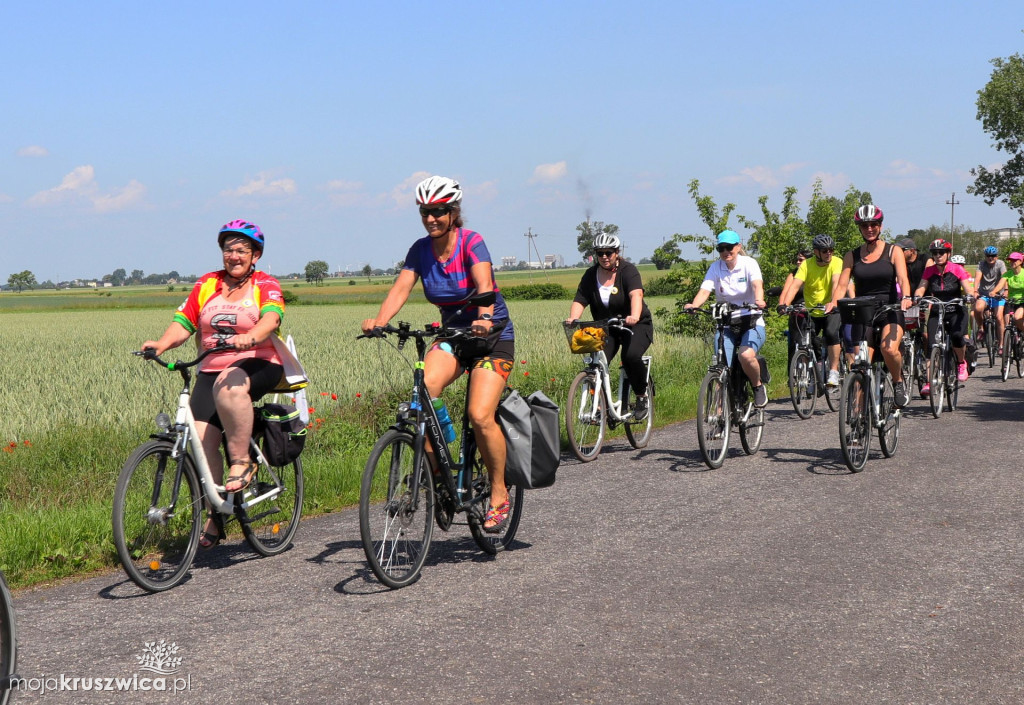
(129, 132)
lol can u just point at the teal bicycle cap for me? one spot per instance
(728, 237)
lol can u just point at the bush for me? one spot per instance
(290, 297)
(536, 292)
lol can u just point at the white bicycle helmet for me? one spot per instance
(606, 241)
(438, 190)
(958, 259)
(868, 214)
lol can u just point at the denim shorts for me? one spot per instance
(752, 338)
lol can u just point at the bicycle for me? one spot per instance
(990, 327)
(591, 407)
(1013, 344)
(8, 643)
(867, 398)
(915, 364)
(809, 368)
(942, 362)
(725, 399)
(158, 502)
(401, 496)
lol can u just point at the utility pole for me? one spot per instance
(530, 242)
(952, 203)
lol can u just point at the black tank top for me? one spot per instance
(876, 278)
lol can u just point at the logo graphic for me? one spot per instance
(160, 658)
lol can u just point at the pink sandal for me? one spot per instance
(498, 515)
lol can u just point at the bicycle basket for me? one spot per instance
(585, 337)
(913, 316)
(860, 309)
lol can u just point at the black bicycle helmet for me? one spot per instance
(824, 242)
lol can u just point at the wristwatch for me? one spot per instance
(485, 316)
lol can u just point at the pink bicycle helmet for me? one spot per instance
(243, 228)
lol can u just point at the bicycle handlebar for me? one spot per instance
(150, 354)
(614, 323)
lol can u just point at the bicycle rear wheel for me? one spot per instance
(638, 433)
(832, 394)
(990, 340)
(480, 486)
(713, 422)
(751, 430)
(8, 641)
(937, 381)
(270, 525)
(802, 390)
(854, 421)
(585, 420)
(156, 537)
(396, 527)
(889, 433)
(952, 383)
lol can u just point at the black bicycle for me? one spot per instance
(867, 399)
(915, 363)
(403, 494)
(8, 643)
(990, 327)
(1013, 344)
(809, 368)
(942, 363)
(726, 397)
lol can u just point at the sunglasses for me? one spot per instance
(725, 248)
(436, 211)
(939, 252)
(605, 253)
(869, 225)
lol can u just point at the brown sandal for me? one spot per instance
(244, 478)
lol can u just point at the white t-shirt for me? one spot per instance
(736, 285)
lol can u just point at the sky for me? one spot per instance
(131, 131)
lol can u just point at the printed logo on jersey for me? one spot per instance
(223, 325)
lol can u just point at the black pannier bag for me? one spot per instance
(284, 434)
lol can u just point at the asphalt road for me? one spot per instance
(642, 577)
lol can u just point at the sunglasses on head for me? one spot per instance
(436, 211)
(725, 248)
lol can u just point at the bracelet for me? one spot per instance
(909, 297)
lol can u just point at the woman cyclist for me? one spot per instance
(988, 280)
(877, 268)
(612, 288)
(454, 263)
(802, 255)
(946, 280)
(1014, 286)
(737, 279)
(242, 307)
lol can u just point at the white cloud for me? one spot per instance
(348, 193)
(760, 175)
(79, 188)
(484, 192)
(120, 199)
(265, 186)
(33, 150)
(902, 175)
(404, 194)
(549, 173)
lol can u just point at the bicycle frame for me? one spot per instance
(598, 362)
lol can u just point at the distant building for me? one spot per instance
(553, 261)
(1003, 233)
(508, 262)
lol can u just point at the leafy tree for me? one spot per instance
(118, 276)
(367, 271)
(316, 270)
(136, 277)
(999, 109)
(776, 240)
(667, 255)
(22, 280)
(588, 230)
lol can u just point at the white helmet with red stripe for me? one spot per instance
(438, 190)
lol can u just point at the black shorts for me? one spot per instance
(264, 376)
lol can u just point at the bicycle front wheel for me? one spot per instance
(801, 384)
(854, 421)
(1008, 345)
(889, 433)
(8, 641)
(937, 381)
(157, 518)
(713, 422)
(832, 394)
(990, 341)
(270, 525)
(638, 433)
(952, 382)
(396, 526)
(585, 417)
(480, 487)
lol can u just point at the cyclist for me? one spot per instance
(243, 307)
(989, 282)
(802, 254)
(878, 269)
(915, 263)
(454, 263)
(612, 288)
(947, 280)
(737, 279)
(817, 278)
(1014, 280)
